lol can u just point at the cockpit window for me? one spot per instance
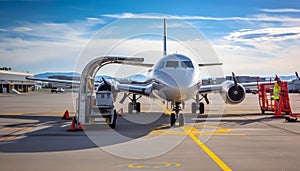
(187, 64)
(161, 65)
(172, 64)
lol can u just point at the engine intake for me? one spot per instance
(233, 94)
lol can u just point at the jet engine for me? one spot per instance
(233, 93)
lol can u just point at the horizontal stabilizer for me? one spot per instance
(140, 64)
(128, 60)
(210, 64)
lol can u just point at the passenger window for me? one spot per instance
(187, 64)
(172, 64)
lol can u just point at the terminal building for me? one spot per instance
(247, 79)
(14, 81)
(240, 79)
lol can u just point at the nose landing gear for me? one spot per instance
(177, 115)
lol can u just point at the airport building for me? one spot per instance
(240, 79)
(14, 81)
(247, 79)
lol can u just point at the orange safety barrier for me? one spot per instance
(267, 103)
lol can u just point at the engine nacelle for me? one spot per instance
(233, 94)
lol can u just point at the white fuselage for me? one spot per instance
(178, 77)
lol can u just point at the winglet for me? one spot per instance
(276, 77)
(297, 75)
(165, 38)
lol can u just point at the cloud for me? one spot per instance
(56, 31)
(127, 15)
(281, 10)
(260, 17)
(22, 29)
(267, 34)
(95, 20)
(269, 59)
(264, 51)
(56, 46)
(43, 47)
(4, 30)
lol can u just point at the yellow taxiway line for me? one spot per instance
(211, 154)
(191, 132)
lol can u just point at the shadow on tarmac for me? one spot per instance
(48, 134)
(41, 134)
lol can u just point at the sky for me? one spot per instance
(251, 37)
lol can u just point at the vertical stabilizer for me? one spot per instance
(165, 38)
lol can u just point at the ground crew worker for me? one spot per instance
(276, 92)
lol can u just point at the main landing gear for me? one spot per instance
(198, 105)
(134, 104)
(177, 115)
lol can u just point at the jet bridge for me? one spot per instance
(87, 87)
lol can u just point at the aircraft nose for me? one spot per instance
(177, 86)
(176, 80)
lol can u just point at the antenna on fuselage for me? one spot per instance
(165, 38)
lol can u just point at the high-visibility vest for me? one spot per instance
(276, 91)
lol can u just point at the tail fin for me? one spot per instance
(165, 38)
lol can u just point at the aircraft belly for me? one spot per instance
(175, 94)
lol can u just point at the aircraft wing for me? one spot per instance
(141, 89)
(74, 82)
(53, 80)
(219, 87)
(228, 84)
(210, 88)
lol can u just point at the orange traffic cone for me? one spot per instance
(80, 127)
(73, 127)
(66, 116)
(121, 112)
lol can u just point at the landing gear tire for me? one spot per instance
(138, 107)
(181, 119)
(194, 108)
(130, 108)
(201, 108)
(172, 119)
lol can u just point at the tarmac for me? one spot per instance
(228, 137)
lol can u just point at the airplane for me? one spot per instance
(174, 78)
